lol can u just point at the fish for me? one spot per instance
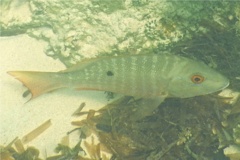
(143, 75)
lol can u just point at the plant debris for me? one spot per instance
(36, 132)
(194, 128)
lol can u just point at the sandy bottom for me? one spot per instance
(17, 117)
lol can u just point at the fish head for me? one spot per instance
(194, 79)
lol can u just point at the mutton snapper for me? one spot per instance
(146, 76)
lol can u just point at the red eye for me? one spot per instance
(197, 79)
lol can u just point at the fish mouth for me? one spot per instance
(224, 86)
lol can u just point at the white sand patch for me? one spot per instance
(18, 118)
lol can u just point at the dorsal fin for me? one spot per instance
(80, 65)
(84, 63)
(89, 61)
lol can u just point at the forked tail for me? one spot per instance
(38, 82)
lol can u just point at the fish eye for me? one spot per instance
(197, 79)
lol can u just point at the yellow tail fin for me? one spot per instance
(38, 82)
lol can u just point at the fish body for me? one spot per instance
(147, 76)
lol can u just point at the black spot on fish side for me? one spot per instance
(110, 73)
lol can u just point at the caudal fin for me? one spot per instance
(38, 82)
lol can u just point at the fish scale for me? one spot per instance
(148, 76)
(124, 71)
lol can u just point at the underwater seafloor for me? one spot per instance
(46, 35)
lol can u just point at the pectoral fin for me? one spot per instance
(145, 107)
